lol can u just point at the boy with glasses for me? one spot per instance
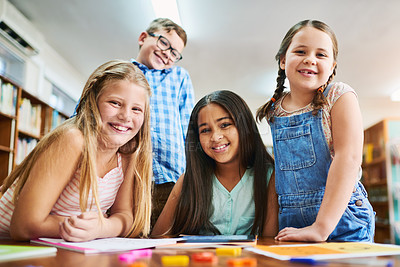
(171, 103)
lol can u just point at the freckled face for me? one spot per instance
(218, 134)
(309, 60)
(121, 105)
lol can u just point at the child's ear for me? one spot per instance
(333, 66)
(282, 62)
(142, 37)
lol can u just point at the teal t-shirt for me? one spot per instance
(233, 212)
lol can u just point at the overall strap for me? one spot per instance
(326, 91)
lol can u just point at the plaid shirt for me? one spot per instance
(171, 104)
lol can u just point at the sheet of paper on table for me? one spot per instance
(323, 251)
(104, 245)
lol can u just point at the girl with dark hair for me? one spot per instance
(225, 187)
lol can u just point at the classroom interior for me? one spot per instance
(48, 48)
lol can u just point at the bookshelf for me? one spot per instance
(376, 175)
(24, 119)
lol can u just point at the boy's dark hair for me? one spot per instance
(167, 25)
(194, 207)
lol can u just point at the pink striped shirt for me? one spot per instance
(67, 203)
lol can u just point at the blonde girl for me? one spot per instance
(97, 161)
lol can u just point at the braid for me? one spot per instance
(265, 110)
(319, 99)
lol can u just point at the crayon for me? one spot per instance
(138, 264)
(229, 251)
(204, 257)
(242, 262)
(178, 260)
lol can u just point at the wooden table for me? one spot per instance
(71, 259)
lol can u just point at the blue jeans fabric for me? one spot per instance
(302, 162)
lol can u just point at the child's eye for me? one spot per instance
(174, 53)
(226, 124)
(300, 52)
(204, 130)
(137, 109)
(115, 103)
(163, 42)
(321, 55)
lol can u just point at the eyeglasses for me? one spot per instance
(164, 45)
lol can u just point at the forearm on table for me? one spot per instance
(28, 228)
(118, 224)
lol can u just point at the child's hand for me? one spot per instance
(309, 233)
(84, 227)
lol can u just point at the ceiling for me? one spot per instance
(232, 43)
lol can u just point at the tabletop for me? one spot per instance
(70, 258)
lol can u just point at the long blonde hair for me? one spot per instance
(88, 121)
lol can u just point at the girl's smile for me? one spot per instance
(221, 148)
(120, 128)
(307, 72)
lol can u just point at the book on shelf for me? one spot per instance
(29, 119)
(16, 252)
(368, 152)
(57, 119)
(8, 98)
(24, 147)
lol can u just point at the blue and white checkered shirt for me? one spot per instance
(171, 103)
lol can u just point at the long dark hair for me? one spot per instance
(194, 207)
(319, 99)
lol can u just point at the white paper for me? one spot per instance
(107, 244)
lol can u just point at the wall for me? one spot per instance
(374, 110)
(45, 67)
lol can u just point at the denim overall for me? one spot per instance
(302, 161)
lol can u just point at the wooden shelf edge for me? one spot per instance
(8, 116)
(6, 149)
(9, 80)
(28, 134)
(369, 184)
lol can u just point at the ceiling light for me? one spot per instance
(395, 96)
(167, 9)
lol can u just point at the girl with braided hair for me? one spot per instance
(91, 176)
(318, 138)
